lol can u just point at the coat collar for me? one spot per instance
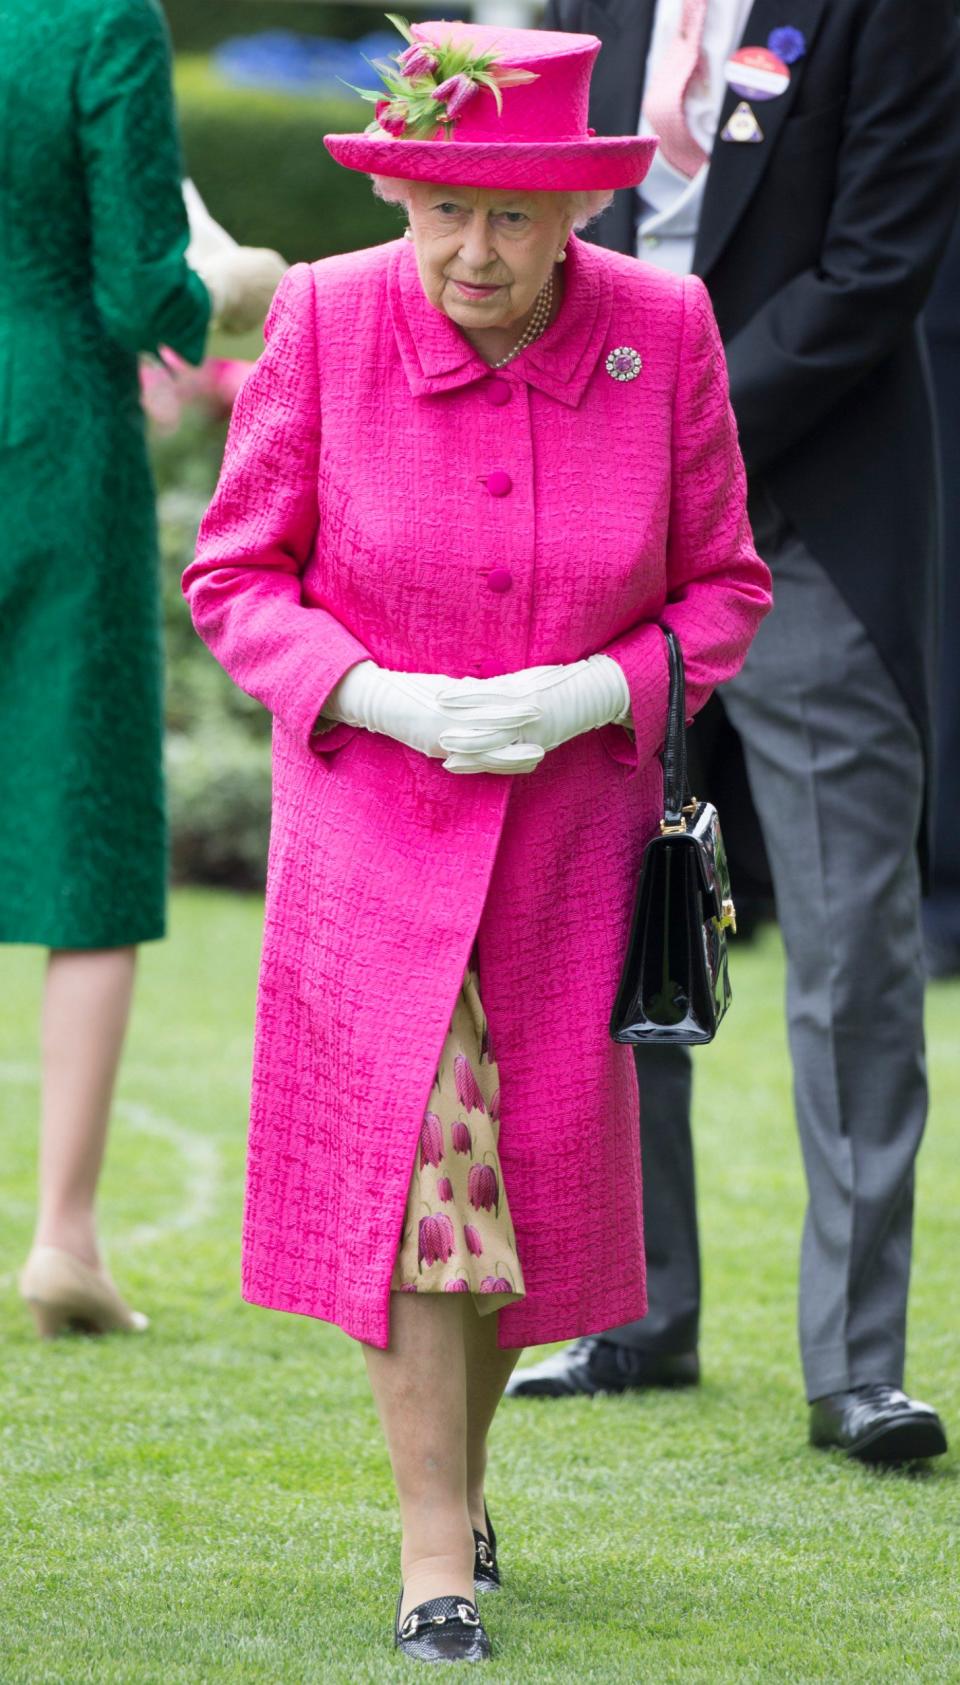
(437, 358)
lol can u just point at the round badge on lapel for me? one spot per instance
(756, 73)
(624, 363)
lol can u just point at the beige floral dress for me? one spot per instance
(457, 1234)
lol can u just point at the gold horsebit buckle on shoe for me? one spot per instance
(413, 1623)
(484, 1555)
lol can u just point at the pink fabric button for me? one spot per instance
(489, 669)
(497, 392)
(500, 580)
(499, 484)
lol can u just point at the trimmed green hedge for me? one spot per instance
(218, 739)
(198, 25)
(258, 159)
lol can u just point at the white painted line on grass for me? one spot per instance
(199, 1157)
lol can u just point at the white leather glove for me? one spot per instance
(569, 699)
(207, 238)
(405, 706)
(241, 280)
(241, 284)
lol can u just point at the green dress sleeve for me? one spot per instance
(145, 292)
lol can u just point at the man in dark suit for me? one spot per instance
(942, 910)
(807, 171)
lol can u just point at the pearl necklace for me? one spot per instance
(536, 326)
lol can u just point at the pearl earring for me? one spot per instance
(562, 255)
(408, 233)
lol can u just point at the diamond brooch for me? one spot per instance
(624, 363)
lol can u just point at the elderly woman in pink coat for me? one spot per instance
(473, 475)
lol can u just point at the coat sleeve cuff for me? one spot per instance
(642, 655)
(320, 665)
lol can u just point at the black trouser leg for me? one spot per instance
(665, 1075)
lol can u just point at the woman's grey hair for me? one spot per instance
(586, 205)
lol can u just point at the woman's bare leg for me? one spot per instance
(488, 1371)
(86, 1007)
(420, 1388)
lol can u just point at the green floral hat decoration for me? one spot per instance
(481, 106)
(431, 82)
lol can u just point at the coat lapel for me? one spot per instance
(737, 168)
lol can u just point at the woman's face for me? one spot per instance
(483, 254)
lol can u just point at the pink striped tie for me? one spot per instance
(667, 90)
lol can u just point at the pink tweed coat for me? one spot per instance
(384, 495)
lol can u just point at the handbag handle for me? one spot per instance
(676, 791)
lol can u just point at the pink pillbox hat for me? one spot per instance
(539, 141)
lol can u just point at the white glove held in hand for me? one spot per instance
(207, 238)
(568, 700)
(241, 283)
(241, 280)
(405, 706)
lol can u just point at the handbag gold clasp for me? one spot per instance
(728, 916)
(681, 825)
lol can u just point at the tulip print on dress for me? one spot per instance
(431, 1140)
(468, 1089)
(435, 1240)
(457, 1176)
(496, 1284)
(462, 1140)
(483, 1188)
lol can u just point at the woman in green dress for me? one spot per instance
(93, 271)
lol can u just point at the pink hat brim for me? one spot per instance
(565, 166)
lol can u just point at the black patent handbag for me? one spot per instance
(676, 983)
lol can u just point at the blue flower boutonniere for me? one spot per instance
(788, 43)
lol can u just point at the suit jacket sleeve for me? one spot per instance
(897, 177)
(244, 584)
(717, 588)
(146, 294)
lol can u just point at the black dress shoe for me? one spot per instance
(595, 1365)
(447, 1629)
(486, 1572)
(878, 1424)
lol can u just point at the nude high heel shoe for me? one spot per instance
(62, 1293)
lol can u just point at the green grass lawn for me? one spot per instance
(212, 1502)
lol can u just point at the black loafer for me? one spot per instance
(447, 1629)
(878, 1424)
(486, 1571)
(595, 1365)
